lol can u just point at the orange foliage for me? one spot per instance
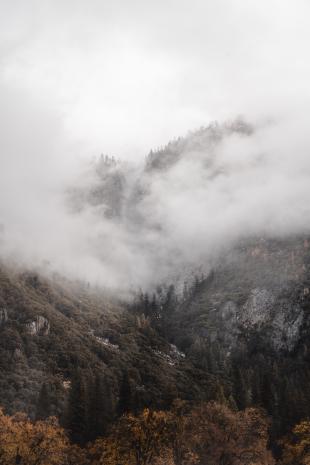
(208, 434)
(296, 449)
(221, 436)
(135, 440)
(27, 443)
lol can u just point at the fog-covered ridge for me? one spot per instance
(127, 225)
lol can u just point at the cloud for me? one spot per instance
(130, 76)
(79, 79)
(211, 190)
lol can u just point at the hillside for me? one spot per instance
(216, 314)
(52, 328)
(239, 335)
(248, 324)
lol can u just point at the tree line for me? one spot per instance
(201, 434)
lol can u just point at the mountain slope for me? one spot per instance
(49, 329)
(239, 335)
(248, 323)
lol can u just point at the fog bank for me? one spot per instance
(77, 80)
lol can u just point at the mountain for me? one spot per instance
(239, 335)
(159, 220)
(220, 315)
(115, 189)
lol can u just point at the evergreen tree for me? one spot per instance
(43, 409)
(77, 411)
(169, 306)
(125, 395)
(267, 393)
(171, 301)
(240, 393)
(154, 308)
(146, 305)
(185, 291)
(100, 408)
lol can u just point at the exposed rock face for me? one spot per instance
(258, 308)
(106, 342)
(258, 296)
(173, 357)
(287, 327)
(40, 326)
(66, 384)
(176, 353)
(275, 319)
(279, 320)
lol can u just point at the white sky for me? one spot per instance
(122, 77)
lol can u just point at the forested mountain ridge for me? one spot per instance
(115, 189)
(247, 324)
(239, 336)
(51, 330)
(213, 319)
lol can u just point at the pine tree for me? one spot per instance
(171, 301)
(240, 393)
(185, 291)
(100, 408)
(154, 308)
(146, 304)
(77, 411)
(43, 409)
(125, 395)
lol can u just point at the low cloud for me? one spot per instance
(77, 80)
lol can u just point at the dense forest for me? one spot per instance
(216, 370)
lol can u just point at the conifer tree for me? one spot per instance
(125, 395)
(77, 411)
(43, 409)
(100, 408)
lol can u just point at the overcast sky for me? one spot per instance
(124, 76)
(78, 78)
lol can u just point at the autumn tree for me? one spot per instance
(27, 443)
(134, 440)
(181, 433)
(221, 436)
(296, 447)
(77, 456)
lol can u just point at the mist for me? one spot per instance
(77, 81)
